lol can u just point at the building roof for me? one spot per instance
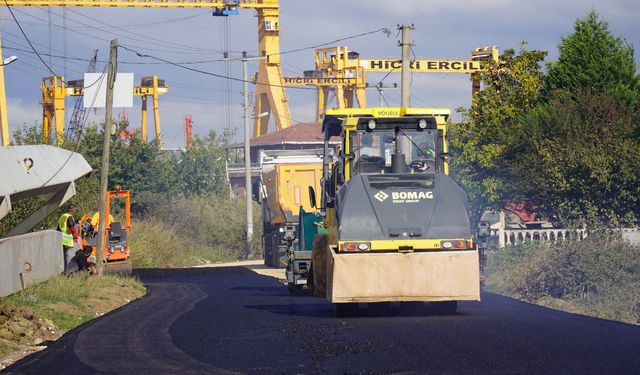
(302, 133)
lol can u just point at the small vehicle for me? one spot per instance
(116, 254)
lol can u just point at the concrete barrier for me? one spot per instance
(29, 259)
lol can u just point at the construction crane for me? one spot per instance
(270, 91)
(344, 72)
(54, 91)
(79, 114)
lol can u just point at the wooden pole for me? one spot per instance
(104, 174)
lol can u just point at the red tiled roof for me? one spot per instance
(302, 133)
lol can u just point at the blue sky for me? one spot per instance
(444, 29)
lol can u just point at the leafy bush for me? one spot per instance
(601, 274)
(179, 232)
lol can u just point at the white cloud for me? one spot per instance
(21, 113)
(435, 7)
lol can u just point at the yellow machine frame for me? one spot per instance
(54, 91)
(4, 122)
(428, 273)
(334, 70)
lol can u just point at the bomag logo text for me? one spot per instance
(410, 196)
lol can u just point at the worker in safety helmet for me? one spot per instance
(67, 225)
(423, 158)
(95, 220)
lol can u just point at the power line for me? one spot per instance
(163, 22)
(162, 43)
(73, 58)
(39, 75)
(139, 54)
(33, 48)
(382, 29)
(31, 54)
(64, 27)
(27, 38)
(184, 46)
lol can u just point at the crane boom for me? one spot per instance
(189, 4)
(270, 93)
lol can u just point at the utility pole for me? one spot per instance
(104, 174)
(247, 151)
(405, 73)
(405, 85)
(247, 145)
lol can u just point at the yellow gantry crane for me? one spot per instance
(270, 90)
(338, 69)
(341, 70)
(54, 91)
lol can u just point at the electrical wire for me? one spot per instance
(33, 48)
(382, 29)
(92, 105)
(102, 30)
(27, 38)
(162, 23)
(39, 75)
(74, 58)
(30, 54)
(139, 54)
(411, 70)
(168, 43)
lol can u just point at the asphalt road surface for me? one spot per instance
(233, 320)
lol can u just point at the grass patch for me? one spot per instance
(599, 276)
(183, 232)
(154, 244)
(7, 347)
(68, 301)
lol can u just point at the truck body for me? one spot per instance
(284, 180)
(398, 227)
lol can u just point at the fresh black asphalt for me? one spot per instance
(234, 321)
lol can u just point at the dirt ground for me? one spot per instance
(21, 328)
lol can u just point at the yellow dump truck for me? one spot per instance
(398, 227)
(285, 176)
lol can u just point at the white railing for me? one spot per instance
(503, 237)
(522, 236)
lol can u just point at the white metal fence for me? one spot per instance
(504, 237)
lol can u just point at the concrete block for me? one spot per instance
(28, 259)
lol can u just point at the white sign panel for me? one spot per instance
(95, 90)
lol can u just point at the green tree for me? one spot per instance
(483, 143)
(201, 169)
(581, 161)
(591, 57)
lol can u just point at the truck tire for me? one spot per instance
(270, 250)
(444, 307)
